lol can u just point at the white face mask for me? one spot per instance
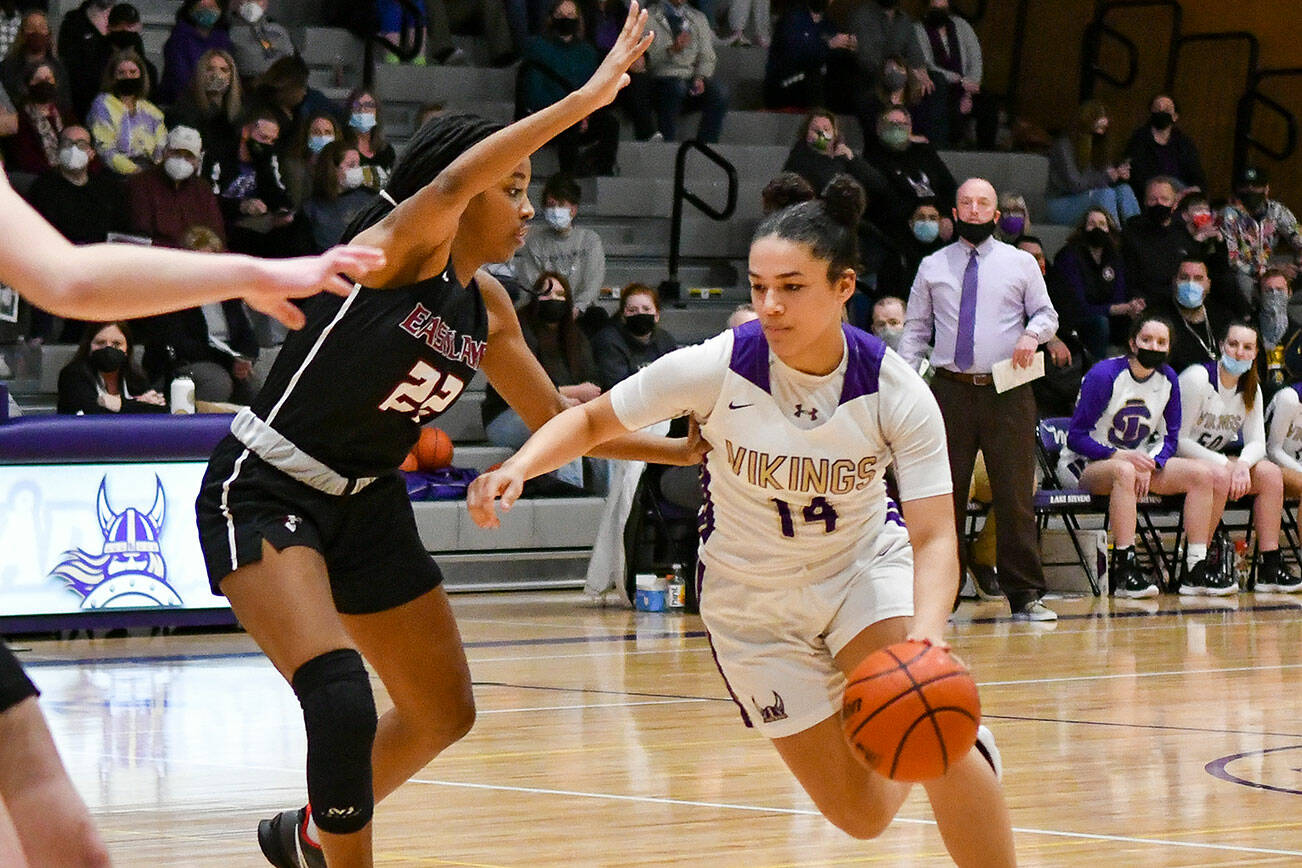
(251, 12)
(73, 159)
(178, 168)
(353, 178)
(558, 217)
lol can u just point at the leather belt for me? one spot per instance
(970, 379)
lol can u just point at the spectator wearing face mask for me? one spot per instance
(83, 46)
(1203, 239)
(563, 248)
(635, 339)
(337, 193)
(42, 117)
(102, 378)
(1081, 171)
(366, 126)
(1088, 285)
(298, 163)
(1260, 232)
(128, 129)
(172, 197)
(820, 153)
(556, 62)
(258, 40)
(888, 320)
(31, 47)
(212, 103)
(552, 335)
(1152, 245)
(124, 29)
(1200, 318)
(1160, 147)
(198, 28)
(1014, 218)
(958, 110)
(796, 71)
(913, 169)
(83, 205)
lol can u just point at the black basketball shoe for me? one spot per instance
(284, 844)
(1129, 580)
(1193, 580)
(1273, 577)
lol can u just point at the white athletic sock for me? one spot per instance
(1197, 552)
(310, 832)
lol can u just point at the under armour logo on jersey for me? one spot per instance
(292, 523)
(812, 412)
(772, 713)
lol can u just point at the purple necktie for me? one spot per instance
(964, 341)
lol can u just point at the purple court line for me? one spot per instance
(1217, 769)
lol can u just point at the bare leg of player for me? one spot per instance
(49, 816)
(1292, 483)
(1268, 506)
(416, 650)
(284, 603)
(11, 849)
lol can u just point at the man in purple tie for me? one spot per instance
(982, 301)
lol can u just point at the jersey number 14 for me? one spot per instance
(819, 509)
(425, 392)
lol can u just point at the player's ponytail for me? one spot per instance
(829, 225)
(431, 150)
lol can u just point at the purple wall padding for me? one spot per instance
(128, 437)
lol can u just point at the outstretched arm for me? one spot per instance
(121, 281)
(427, 221)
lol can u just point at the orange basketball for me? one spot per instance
(433, 449)
(910, 711)
(409, 464)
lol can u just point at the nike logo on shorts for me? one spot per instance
(732, 406)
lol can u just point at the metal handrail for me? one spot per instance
(1243, 139)
(670, 288)
(1093, 43)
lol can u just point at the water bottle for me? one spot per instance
(1241, 567)
(676, 592)
(182, 395)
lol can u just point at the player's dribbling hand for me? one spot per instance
(934, 638)
(282, 279)
(500, 484)
(613, 73)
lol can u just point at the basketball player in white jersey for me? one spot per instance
(805, 564)
(43, 821)
(1284, 437)
(1221, 411)
(1122, 443)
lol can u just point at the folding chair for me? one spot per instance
(1052, 500)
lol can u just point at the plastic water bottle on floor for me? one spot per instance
(676, 592)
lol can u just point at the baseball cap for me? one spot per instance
(185, 139)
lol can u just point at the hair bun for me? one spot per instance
(844, 200)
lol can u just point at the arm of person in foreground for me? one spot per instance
(123, 281)
(575, 432)
(932, 534)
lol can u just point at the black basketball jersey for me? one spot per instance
(354, 385)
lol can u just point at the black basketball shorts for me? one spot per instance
(372, 550)
(15, 686)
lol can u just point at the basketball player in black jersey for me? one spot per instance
(305, 523)
(43, 821)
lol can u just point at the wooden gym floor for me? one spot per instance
(1162, 733)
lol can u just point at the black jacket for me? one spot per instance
(78, 392)
(177, 339)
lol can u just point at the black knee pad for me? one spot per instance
(15, 686)
(339, 713)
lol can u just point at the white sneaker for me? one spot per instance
(1035, 611)
(986, 744)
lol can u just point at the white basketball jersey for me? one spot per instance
(1214, 417)
(1284, 424)
(788, 505)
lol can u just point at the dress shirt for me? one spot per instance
(1012, 300)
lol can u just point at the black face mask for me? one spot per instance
(640, 324)
(121, 39)
(1160, 121)
(818, 7)
(42, 92)
(936, 18)
(565, 26)
(106, 360)
(551, 310)
(129, 86)
(259, 150)
(1253, 201)
(1151, 359)
(1158, 213)
(974, 233)
(1096, 237)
